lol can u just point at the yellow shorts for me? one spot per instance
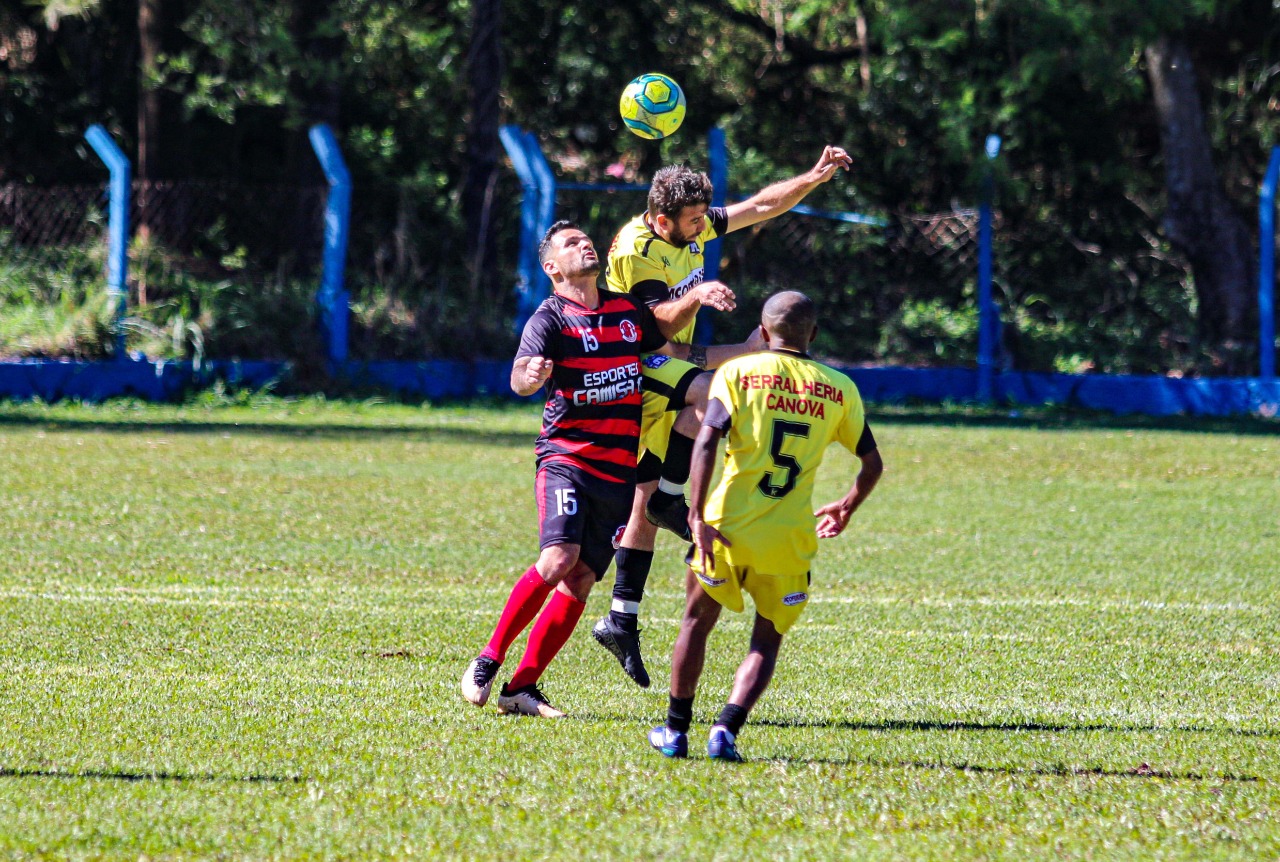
(780, 599)
(666, 382)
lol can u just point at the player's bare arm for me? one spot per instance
(712, 357)
(834, 517)
(675, 314)
(703, 465)
(529, 373)
(776, 199)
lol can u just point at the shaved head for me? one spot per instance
(790, 317)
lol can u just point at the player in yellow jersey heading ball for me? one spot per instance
(757, 533)
(659, 255)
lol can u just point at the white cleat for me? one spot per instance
(526, 701)
(477, 682)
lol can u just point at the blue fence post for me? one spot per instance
(988, 315)
(546, 181)
(117, 224)
(334, 301)
(1267, 269)
(527, 271)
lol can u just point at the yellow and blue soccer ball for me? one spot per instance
(652, 106)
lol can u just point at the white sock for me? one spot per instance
(670, 488)
(625, 607)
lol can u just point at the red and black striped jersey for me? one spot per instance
(592, 417)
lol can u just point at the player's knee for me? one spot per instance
(699, 390)
(579, 581)
(557, 562)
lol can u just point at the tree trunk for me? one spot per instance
(1201, 221)
(484, 75)
(149, 47)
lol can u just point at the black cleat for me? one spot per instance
(625, 647)
(670, 512)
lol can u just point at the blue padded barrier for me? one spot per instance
(52, 380)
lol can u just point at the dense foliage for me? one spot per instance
(1087, 274)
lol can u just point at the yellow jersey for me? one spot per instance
(639, 260)
(780, 411)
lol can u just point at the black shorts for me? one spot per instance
(577, 508)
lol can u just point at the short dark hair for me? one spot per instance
(676, 187)
(545, 246)
(791, 316)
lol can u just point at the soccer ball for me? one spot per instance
(652, 106)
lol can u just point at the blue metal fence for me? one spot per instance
(1153, 395)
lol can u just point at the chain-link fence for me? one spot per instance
(220, 269)
(903, 289)
(227, 269)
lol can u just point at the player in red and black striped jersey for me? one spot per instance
(583, 344)
(592, 417)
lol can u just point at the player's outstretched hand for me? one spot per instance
(704, 538)
(832, 519)
(537, 371)
(717, 295)
(832, 159)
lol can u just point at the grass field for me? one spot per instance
(238, 632)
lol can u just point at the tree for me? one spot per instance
(484, 78)
(1201, 221)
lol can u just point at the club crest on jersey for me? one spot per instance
(693, 248)
(629, 332)
(617, 536)
(794, 598)
(655, 360)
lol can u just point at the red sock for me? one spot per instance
(522, 606)
(549, 634)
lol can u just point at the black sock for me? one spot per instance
(679, 713)
(675, 466)
(628, 583)
(732, 717)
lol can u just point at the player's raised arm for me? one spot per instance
(529, 373)
(776, 199)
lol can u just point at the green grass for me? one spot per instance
(237, 631)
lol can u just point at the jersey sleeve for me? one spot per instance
(651, 337)
(651, 292)
(867, 442)
(718, 221)
(721, 391)
(539, 336)
(855, 421)
(717, 416)
(630, 270)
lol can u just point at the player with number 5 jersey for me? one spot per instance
(757, 532)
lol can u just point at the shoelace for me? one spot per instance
(536, 694)
(485, 669)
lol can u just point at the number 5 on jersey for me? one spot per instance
(781, 430)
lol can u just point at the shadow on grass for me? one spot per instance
(998, 727)
(1056, 419)
(1142, 771)
(147, 776)
(334, 431)
(955, 416)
